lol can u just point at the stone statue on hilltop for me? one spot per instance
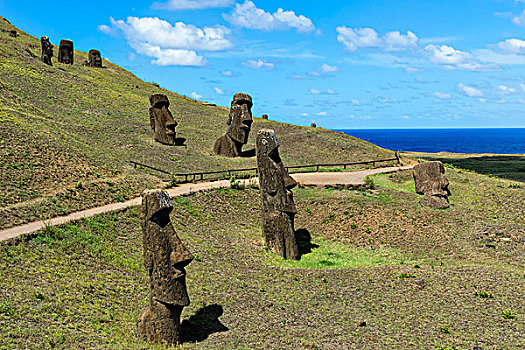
(94, 59)
(161, 120)
(278, 208)
(239, 126)
(47, 50)
(431, 182)
(65, 51)
(165, 258)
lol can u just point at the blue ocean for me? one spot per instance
(499, 141)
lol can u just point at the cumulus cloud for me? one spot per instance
(247, 15)
(442, 95)
(258, 64)
(519, 20)
(172, 44)
(505, 90)
(104, 28)
(456, 59)
(516, 46)
(353, 39)
(325, 68)
(469, 90)
(174, 5)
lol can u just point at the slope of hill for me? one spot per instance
(68, 133)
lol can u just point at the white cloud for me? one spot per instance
(104, 29)
(456, 59)
(314, 74)
(325, 68)
(519, 20)
(175, 5)
(258, 64)
(355, 102)
(505, 90)
(442, 95)
(322, 114)
(405, 117)
(469, 91)
(315, 92)
(516, 46)
(196, 96)
(501, 101)
(249, 16)
(305, 114)
(412, 70)
(520, 100)
(218, 91)
(366, 117)
(482, 100)
(132, 56)
(227, 73)
(318, 92)
(330, 92)
(172, 44)
(522, 87)
(353, 39)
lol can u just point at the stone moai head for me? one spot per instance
(431, 182)
(161, 120)
(47, 50)
(278, 207)
(94, 59)
(65, 51)
(240, 120)
(313, 125)
(165, 258)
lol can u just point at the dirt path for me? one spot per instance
(307, 179)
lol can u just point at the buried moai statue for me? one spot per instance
(161, 120)
(47, 50)
(165, 258)
(278, 208)
(65, 51)
(239, 126)
(94, 59)
(431, 182)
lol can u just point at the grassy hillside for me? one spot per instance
(68, 133)
(382, 273)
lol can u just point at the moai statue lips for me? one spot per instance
(65, 52)
(240, 120)
(161, 119)
(431, 182)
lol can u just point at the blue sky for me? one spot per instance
(340, 64)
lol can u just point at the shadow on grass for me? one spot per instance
(179, 141)
(204, 323)
(304, 240)
(248, 154)
(506, 167)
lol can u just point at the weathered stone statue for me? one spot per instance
(47, 50)
(94, 59)
(239, 125)
(165, 258)
(432, 184)
(313, 125)
(278, 208)
(265, 116)
(65, 51)
(161, 120)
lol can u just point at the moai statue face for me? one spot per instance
(161, 120)
(277, 199)
(430, 181)
(165, 258)
(65, 52)
(47, 50)
(94, 59)
(240, 121)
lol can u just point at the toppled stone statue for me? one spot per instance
(431, 182)
(94, 59)
(65, 51)
(278, 208)
(47, 50)
(165, 258)
(239, 125)
(161, 120)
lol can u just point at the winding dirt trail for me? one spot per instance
(355, 178)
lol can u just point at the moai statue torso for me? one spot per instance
(161, 120)
(94, 59)
(239, 126)
(278, 208)
(165, 258)
(47, 50)
(431, 182)
(65, 51)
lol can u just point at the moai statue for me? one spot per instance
(432, 184)
(161, 120)
(239, 125)
(94, 59)
(165, 258)
(265, 116)
(313, 125)
(278, 208)
(65, 51)
(47, 50)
